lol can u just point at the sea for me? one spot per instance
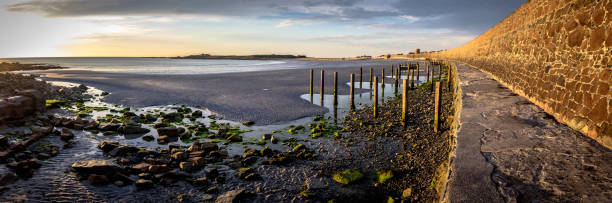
(167, 66)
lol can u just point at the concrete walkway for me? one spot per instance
(509, 150)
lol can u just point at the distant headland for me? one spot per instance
(235, 57)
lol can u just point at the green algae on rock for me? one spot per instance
(348, 176)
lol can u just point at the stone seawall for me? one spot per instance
(556, 53)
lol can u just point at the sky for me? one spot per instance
(316, 28)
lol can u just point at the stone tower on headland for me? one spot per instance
(556, 53)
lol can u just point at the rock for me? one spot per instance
(119, 183)
(347, 176)
(384, 175)
(273, 140)
(43, 156)
(41, 130)
(108, 145)
(299, 147)
(168, 131)
(250, 152)
(407, 193)
(196, 114)
(278, 160)
(205, 146)
(180, 156)
(235, 138)
(26, 168)
(4, 142)
(212, 189)
(124, 150)
(265, 152)
(109, 127)
(155, 169)
(203, 181)
(249, 160)
(185, 136)
(123, 178)
(186, 166)
(96, 179)
(66, 134)
(222, 132)
(197, 162)
(173, 116)
(218, 154)
(92, 126)
(211, 173)
(231, 196)
(8, 178)
(143, 183)
(159, 125)
(141, 167)
(95, 166)
(248, 123)
(266, 136)
(148, 138)
(133, 129)
(163, 139)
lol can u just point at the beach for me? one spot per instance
(265, 97)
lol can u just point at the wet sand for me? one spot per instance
(266, 97)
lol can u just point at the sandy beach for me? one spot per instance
(265, 97)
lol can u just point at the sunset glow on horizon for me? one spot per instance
(161, 28)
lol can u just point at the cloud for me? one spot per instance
(410, 19)
(475, 15)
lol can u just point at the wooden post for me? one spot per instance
(437, 108)
(322, 86)
(371, 73)
(392, 72)
(404, 102)
(360, 76)
(335, 88)
(417, 72)
(352, 92)
(411, 71)
(439, 72)
(396, 79)
(311, 79)
(427, 67)
(382, 77)
(375, 99)
(432, 78)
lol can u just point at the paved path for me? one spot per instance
(510, 150)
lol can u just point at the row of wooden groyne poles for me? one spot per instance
(412, 71)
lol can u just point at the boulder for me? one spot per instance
(148, 138)
(235, 138)
(231, 196)
(141, 167)
(124, 150)
(133, 129)
(66, 134)
(197, 162)
(168, 131)
(109, 127)
(186, 166)
(95, 166)
(108, 145)
(348, 176)
(173, 116)
(180, 156)
(96, 179)
(155, 169)
(144, 183)
(196, 114)
(8, 178)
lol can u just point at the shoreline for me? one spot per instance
(266, 97)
